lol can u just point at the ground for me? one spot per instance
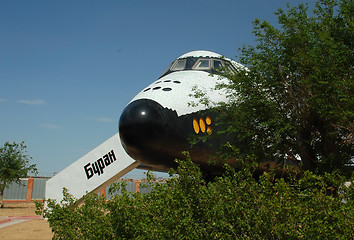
(18, 221)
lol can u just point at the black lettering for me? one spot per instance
(95, 168)
(107, 161)
(98, 166)
(112, 156)
(101, 165)
(88, 171)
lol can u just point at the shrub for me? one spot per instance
(234, 206)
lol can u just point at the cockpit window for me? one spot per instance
(178, 65)
(221, 66)
(202, 64)
(210, 65)
(217, 64)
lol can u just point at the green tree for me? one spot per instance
(295, 100)
(14, 164)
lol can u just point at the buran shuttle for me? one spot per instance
(155, 127)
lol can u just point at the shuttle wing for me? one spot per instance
(93, 172)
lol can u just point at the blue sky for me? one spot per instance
(68, 68)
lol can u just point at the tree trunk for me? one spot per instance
(307, 153)
(2, 196)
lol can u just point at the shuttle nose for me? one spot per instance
(141, 126)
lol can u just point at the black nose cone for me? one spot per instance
(141, 126)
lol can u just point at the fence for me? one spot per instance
(30, 189)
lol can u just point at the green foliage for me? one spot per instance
(296, 97)
(68, 220)
(14, 164)
(234, 206)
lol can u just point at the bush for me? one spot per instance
(234, 206)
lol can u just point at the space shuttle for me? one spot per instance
(155, 127)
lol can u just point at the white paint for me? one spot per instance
(178, 98)
(15, 220)
(181, 95)
(201, 53)
(74, 177)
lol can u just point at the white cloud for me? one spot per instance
(100, 119)
(51, 126)
(103, 119)
(3, 100)
(32, 101)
